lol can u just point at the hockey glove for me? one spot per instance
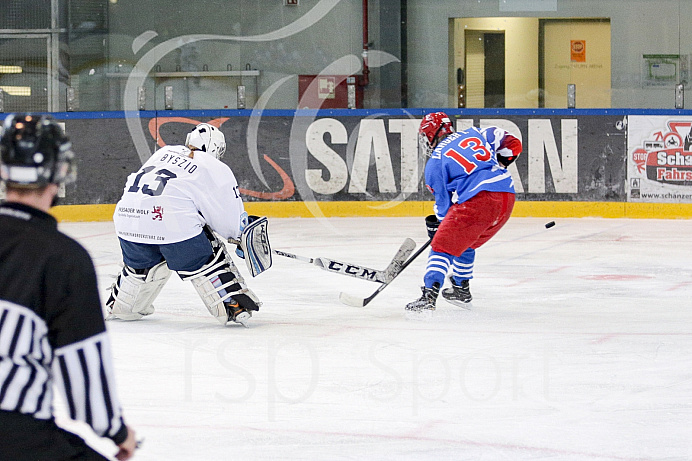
(509, 150)
(431, 224)
(245, 219)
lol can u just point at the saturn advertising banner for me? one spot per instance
(349, 155)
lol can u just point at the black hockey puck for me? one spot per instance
(549, 224)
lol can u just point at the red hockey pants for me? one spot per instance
(472, 223)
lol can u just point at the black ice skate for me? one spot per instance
(426, 301)
(459, 295)
(236, 313)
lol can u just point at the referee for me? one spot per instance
(51, 322)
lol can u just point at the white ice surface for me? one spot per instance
(578, 346)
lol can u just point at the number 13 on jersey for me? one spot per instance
(162, 176)
(480, 154)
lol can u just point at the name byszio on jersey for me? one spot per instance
(180, 162)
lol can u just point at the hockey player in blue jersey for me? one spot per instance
(474, 197)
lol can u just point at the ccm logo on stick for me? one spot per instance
(349, 269)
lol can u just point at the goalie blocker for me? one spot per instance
(254, 245)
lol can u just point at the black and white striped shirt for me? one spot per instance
(25, 368)
(51, 325)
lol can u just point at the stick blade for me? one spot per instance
(351, 300)
(399, 258)
(405, 249)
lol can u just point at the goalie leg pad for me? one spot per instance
(221, 286)
(134, 291)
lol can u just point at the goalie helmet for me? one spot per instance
(35, 152)
(207, 138)
(433, 128)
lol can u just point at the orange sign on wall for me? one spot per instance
(578, 50)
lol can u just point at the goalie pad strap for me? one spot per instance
(212, 298)
(133, 293)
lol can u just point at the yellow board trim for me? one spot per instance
(79, 213)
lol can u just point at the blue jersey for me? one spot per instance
(465, 163)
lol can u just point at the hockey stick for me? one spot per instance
(292, 256)
(362, 302)
(332, 265)
(355, 270)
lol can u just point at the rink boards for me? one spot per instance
(304, 163)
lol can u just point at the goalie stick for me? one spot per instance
(355, 270)
(355, 301)
(254, 243)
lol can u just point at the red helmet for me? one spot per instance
(433, 128)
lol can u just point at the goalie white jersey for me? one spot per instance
(174, 194)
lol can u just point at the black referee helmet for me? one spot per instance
(35, 152)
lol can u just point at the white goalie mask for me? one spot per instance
(207, 138)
